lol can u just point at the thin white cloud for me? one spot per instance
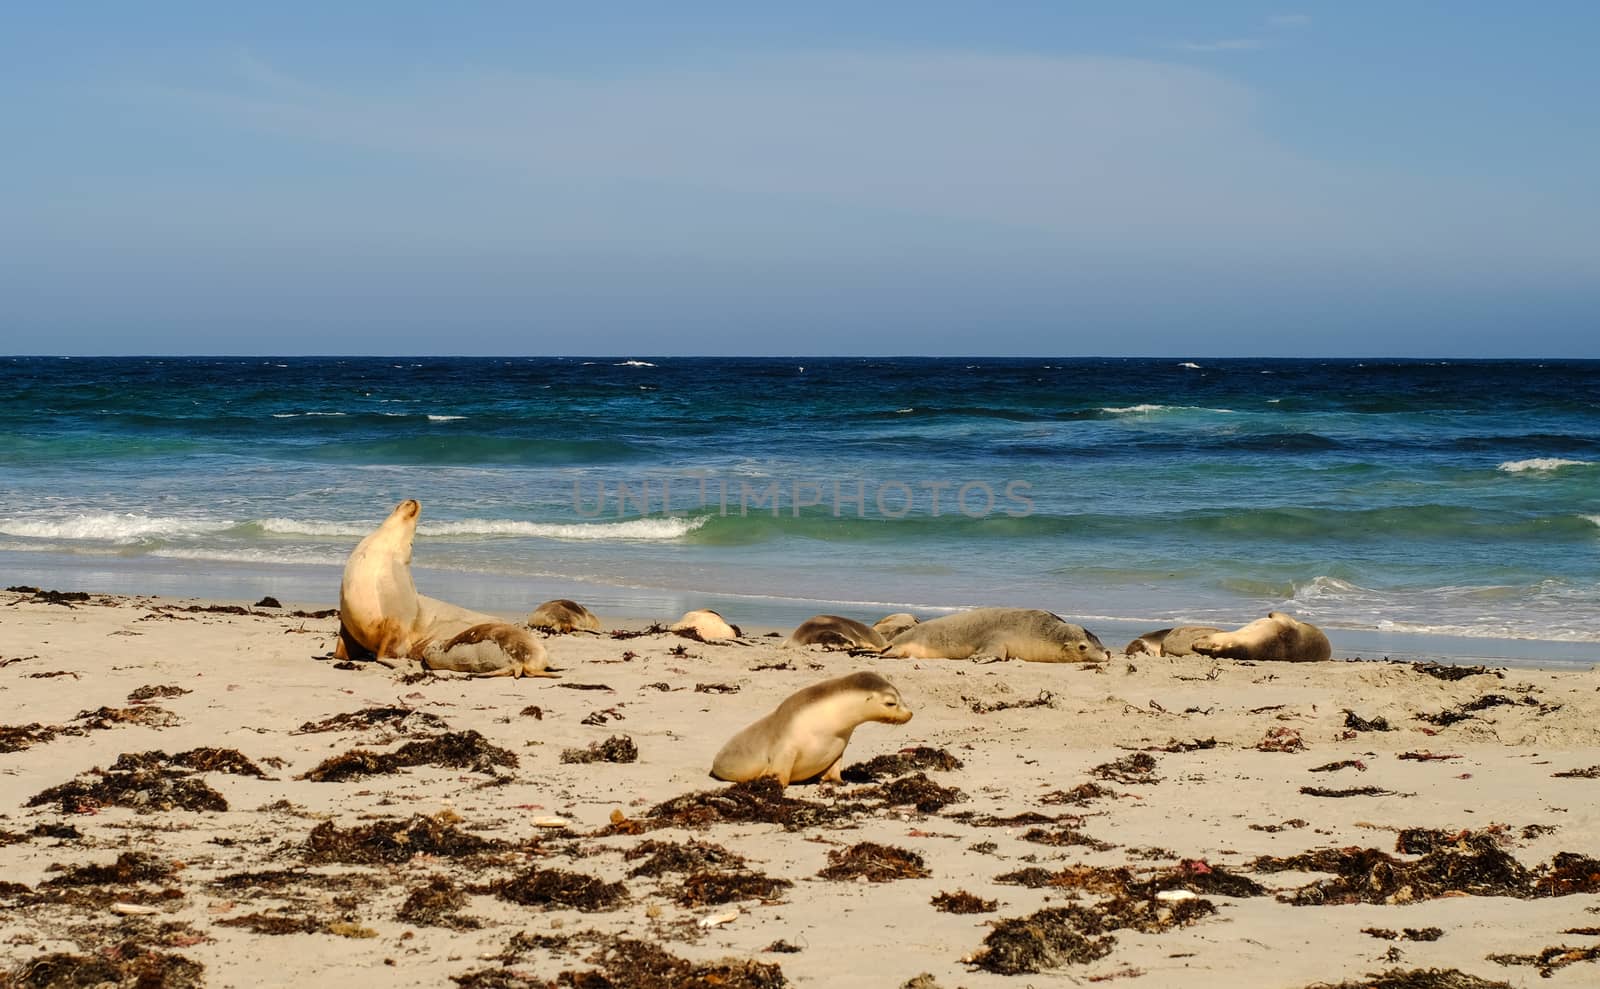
(1223, 45)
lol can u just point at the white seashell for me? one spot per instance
(1174, 895)
(133, 909)
(551, 822)
(718, 919)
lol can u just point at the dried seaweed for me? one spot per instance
(437, 904)
(1334, 767)
(559, 888)
(1592, 773)
(874, 862)
(456, 750)
(1352, 791)
(393, 840)
(127, 964)
(757, 801)
(617, 748)
(130, 867)
(916, 790)
(1417, 978)
(144, 791)
(1059, 936)
(275, 924)
(1066, 836)
(1405, 934)
(962, 901)
(692, 856)
(403, 720)
(709, 888)
(1550, 959)
(1137, 768)
(1045, 699)
(147, 715)
(1355, 722)
(151, 691)
(1078, 796)
(900, 763)
(1440, 671)
(16, 738)
(642, 965)
(203, 760)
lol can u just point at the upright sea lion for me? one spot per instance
(1169, 641)
(806, 735)
(705, 625)
(382, 617)
(1010, 633)
(1275, 637)
(890, 626)
(834, 632)
(563, 616)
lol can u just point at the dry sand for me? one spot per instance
(210, 887)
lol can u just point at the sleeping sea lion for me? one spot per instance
(705, 625)
(890, 626)
(563, 616)
(1277, 637)
(382, 617)
(834, 632)
(806, 735)
(1010, 633)
(1169, 641)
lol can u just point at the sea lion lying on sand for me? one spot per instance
(806, 735)
(705, 625)
(890, 626)
(834, 632)
(382, 617)
(1277, 637)
(563, 616)
(1169, 641)
(1010, 633)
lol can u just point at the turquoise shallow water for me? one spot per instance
(1381, 499)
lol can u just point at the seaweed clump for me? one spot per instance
(127, 964)
(901, 763)
(130, 867)
(692, 856)
(144, 790)
(915, 790)
(875, 863)
(403, 720)
(709, 888)
(757, 801)
(394, 841)
(437, 904)
(1417, 978)
(1140, 767)
(1074, 935)
(617, 748)
(962, 901)
(203, 760)
(642, 965)
(455, 750)
(560, 888)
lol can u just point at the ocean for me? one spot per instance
(1409, 507)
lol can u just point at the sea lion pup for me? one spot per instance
(382, 617)
(1276, 637)
(562, 616)
(705, 625)
(1169, 641)
(834, 632)
(806, 735)
(1010, 633)
(890, 626)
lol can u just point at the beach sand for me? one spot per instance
(1183, 773)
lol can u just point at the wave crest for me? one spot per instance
(1541, 464)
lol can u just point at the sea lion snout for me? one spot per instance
(408, 509)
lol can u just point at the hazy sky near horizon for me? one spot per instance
(1105, 178)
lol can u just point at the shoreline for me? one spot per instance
(512, 597)
(1237, 752)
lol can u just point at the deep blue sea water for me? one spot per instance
(1377, 498)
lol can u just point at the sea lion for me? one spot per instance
(1010, 633)
(806, 735)
(890, 626)
(705, 625)
(563, 616)
(382, 617)
(1276, 637)
(1169, 641)
(834, 632)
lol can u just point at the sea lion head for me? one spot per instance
(879, 699)
(401, 526)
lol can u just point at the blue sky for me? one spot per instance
(892, 178)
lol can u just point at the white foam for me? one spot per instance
(1593, 518)
(1541, 463)
(296, 415)
(1189, 364)
(647, 529)
(434, 418)
(1146, 407)
(278, 555)
(111, 527)
(634, 364)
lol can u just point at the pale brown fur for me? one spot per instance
(1277, 637)
(563, 616)
(834, 632)
(806, 735)
(1011, 633)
